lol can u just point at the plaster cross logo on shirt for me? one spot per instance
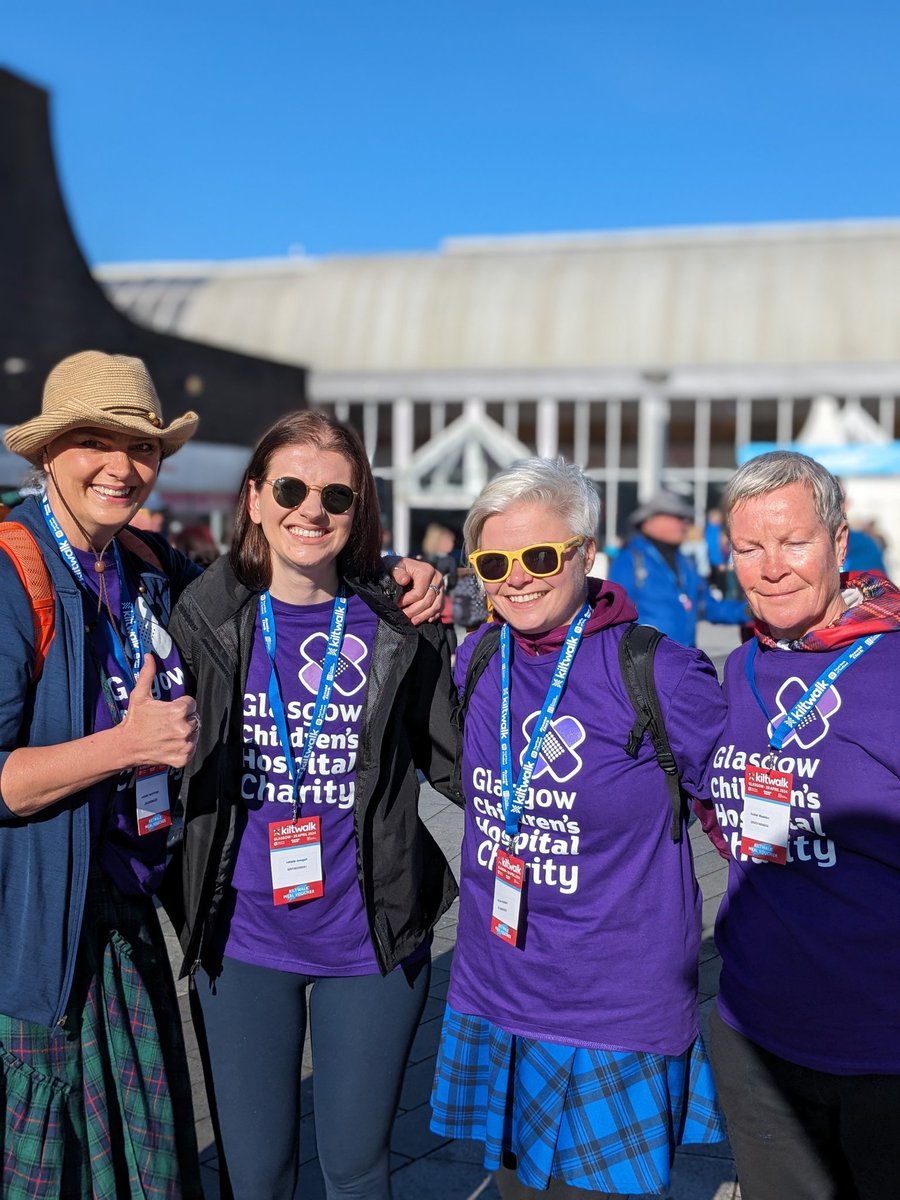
(151, 632)
(349, 678)
(815, 725)
(557, 757)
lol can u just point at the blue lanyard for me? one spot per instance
(130, 629)
(814, 693)
(297, 769)
(514, 797)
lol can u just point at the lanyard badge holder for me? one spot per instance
(508, 906)
(766, 814)
(295, 846)
(153, 810)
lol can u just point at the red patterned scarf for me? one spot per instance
(873, 606)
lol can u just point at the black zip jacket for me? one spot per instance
(405, 880)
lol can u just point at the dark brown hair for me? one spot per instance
(360, 558)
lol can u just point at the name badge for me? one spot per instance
(766, 816)
(295, 857)
(152, 799)
(509, 881)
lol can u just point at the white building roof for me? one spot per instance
(813, 293)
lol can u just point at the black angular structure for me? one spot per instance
(51, 306)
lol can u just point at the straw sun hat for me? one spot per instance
(106, 391)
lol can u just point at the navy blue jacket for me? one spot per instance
(672, 603)
(44, 858)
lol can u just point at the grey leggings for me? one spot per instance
(362, 1026)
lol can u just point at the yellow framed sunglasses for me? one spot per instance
(540, 560)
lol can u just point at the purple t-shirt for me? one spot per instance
(811, 950)
(613, 909)
(134, 862)
(329, 935)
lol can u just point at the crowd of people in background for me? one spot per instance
(282, 703)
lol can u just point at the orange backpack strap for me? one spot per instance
(26, 557)
(23, 550)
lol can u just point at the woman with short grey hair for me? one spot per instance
(573, 997)
(779, 469)
(805, 787)
(554, 482)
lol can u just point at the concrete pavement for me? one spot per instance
(428, 1167)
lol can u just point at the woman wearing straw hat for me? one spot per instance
(92, 740)
(92, 1066)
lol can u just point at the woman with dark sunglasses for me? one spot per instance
(310, 885)
(570, 1044)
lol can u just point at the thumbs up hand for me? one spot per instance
(159, 731)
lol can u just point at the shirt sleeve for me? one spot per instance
(693, 707)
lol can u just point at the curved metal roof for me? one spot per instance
(819, 293)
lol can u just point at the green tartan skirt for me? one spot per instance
(99, 1108)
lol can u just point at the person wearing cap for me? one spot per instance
(93, 741)
(662, 581)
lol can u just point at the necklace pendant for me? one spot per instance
(99, 566)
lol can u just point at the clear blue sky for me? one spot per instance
(193, 129)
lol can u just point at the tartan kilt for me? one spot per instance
(603, 1120)
(99, 1108)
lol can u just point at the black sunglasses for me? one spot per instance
(290, 493)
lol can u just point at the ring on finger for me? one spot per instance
(195, 721)
(437, 588)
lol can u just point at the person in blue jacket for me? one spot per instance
(863, 553)
(662, 581)
(93, 1073)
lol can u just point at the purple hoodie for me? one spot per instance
(612, 931)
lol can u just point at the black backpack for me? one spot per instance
(637, 650)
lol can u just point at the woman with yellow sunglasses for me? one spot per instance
(571, 1045)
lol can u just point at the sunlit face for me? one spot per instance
(531, 605)
(786, 562)
(103, 477)
(664, 527)
(304, 542)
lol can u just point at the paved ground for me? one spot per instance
(427, 1167)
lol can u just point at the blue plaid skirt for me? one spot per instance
(604, 1120)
